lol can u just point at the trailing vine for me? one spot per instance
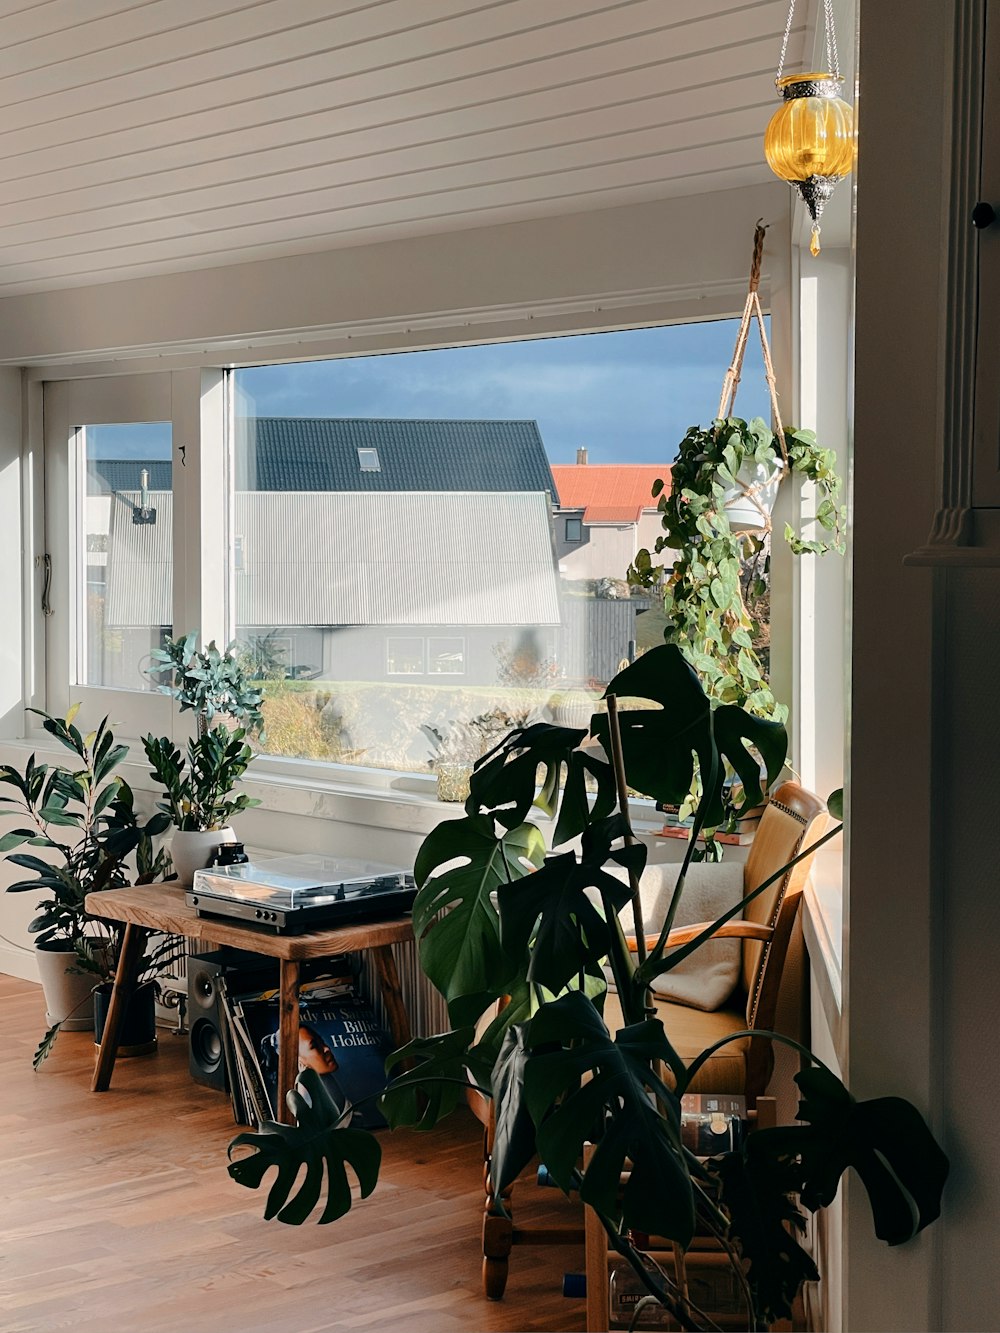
(713, 594)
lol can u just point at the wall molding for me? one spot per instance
(953, 527)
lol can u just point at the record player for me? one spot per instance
(293, 894)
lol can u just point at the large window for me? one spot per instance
(408, 571)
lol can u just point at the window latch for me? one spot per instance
(45, 561)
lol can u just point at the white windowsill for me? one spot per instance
(823, 930)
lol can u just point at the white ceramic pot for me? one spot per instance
(68, 995)
(191, 851)
(743, 514)
(573, 710)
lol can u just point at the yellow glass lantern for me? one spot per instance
(810, 140)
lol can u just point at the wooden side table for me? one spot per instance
(161, 907)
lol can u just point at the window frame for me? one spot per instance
(578, 520)
(69, 406)
(201, 395)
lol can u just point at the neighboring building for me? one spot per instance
(429, 548)
(606, 513)
(431, 552)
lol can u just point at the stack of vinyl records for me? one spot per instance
(339, 1037)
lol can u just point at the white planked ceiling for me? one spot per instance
(149, 136)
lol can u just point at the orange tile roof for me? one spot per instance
(609, 492)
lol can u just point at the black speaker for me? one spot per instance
(242, 970)
(206, 1053)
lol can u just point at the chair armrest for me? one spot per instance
(732, 930)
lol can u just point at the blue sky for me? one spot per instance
(628, 397)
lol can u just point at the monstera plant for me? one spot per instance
(498, 917)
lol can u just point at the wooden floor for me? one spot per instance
(117, 1215)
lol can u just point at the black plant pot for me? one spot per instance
(138, 1034)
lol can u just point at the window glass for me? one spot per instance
(411, 578)
(125, 554)
(404, 657)
(446, 657)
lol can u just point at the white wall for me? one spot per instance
(608, 268)
(922, 985)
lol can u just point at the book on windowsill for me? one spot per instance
(741, 839)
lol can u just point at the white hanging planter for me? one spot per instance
(191, 850)
(748, 513)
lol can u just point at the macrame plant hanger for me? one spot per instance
(752, 311)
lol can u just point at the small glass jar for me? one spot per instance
(453, 780)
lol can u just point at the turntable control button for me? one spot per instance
(258, 914)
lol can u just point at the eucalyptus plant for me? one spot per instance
(82, 819)
(208, 682)
(719, 577)
(499, 918)
(212, 684)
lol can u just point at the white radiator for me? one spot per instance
(425, 1006)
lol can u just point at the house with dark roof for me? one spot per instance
(430, 549)
(605, 514)
(361, 454)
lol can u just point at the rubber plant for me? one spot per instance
(497, 915)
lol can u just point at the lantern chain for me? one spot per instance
(832, 57)
(784, 40)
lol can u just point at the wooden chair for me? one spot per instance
(770, 995)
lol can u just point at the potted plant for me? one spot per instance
(499, 917)
(138, 1031)
(458, 744)
(199, 783)
(719, 574)
(82, 819)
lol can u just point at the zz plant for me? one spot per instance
(497, 915)
(81, 819)
(719, 577)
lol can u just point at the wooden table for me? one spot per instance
(161, 907)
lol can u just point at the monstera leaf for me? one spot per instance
(567, 1041)
(885, 1140)
(551, 912)
(504, 782)
(433, 1085)
(316, 1143)
(514, 1136)
(459, 866)
(763, 1220)
(659, 745)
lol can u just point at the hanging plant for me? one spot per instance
(713, 594)
(717, 518)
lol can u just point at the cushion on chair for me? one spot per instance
(691, 1031)
(709, 976)
(778, 839)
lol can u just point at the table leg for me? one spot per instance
(288, 1037)
(133, 942)
(392, 995)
